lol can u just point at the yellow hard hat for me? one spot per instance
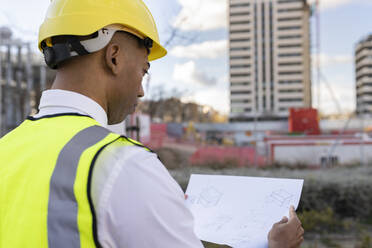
(85, 17)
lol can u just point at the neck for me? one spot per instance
(84, 82)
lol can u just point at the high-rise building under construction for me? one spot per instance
(270, 65)
(363, 74)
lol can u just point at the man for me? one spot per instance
(66, 181)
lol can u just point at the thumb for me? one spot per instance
(292, 212)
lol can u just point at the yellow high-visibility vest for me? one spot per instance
(46, 168)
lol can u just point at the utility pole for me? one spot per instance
(318, 52)
(255, 140)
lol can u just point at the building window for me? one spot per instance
(240, 48)
(240, 66)
(285, 19)
(289, 54)
(290, 72)
(240, 84)
(240, 57)
(290, 46)
(240, 101)
(289, 10)
(240, 31)
(291, 82)
(240, 74)
(290, 64)
(241, 92)
(237, 110)
(290, 100)
(239, 40)
(232, 23)
(289, 1)
(289, 28)
(291, 91)
(288, 37)
(237, 5)
(240, 14)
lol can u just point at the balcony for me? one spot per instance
(298, 104)
(241, 18)
(241, 70)
(288, 32)
(288, 59)
(240, 88)
(289, 77)
(240, 96)
(293, 14)
(240, 53)
(237, 10)
(290, 86)
(237, 27)
(364, 71)
(290, 5)
(241, 36)
(289, 41)
(241, 79)
(365, 98)
(290, 50)
(240, 62)
(362, 53)
(282, 68)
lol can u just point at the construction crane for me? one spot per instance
(320, 75)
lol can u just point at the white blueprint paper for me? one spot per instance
(240, 211)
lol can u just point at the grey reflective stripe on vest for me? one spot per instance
(62, 207)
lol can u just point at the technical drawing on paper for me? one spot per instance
(282, 198)
(210, 197)
(253, 221)
(218, 222)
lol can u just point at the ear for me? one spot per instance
(112, 58)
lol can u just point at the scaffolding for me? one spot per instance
(21, 81)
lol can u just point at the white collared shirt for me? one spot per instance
(138, 204)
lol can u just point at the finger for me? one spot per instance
(295, 223)
(298, 243)
(300, 232)
(292, 212)
(283, 220)
(294, 220)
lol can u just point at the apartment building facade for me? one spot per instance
(270, 65)
(363, 75)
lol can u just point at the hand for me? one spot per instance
(287, 233)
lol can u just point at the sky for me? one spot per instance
(196, 66)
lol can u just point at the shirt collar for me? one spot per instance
(59, 101)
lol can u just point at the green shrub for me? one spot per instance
(322, 221)
(365, 241)
(347, 191)
(345, 198)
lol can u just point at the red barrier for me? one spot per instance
(242, 156)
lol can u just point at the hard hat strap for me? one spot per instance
(60, 52)
(77, 46)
